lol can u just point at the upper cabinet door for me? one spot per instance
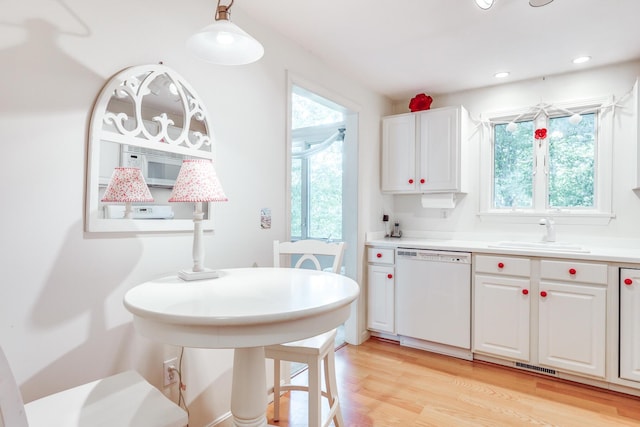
(399, 153)
(439, 150)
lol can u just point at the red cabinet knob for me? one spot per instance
(422, 181)
(525, 292)
(389, 276)
(411, 181)
(628, 281)
(501, 265)
(379, 255)
(543, 294)
(572, 271)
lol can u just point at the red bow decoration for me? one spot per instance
(541, 133)
(420, 102)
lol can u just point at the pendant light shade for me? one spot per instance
(224, 43)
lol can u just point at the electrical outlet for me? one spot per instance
(169, 368)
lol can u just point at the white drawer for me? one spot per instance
(573, 271)
(503, 265)
(381, 255)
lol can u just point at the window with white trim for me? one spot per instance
(317, 161)
(550, 160)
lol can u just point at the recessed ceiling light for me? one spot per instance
(538, 3)
(581, 59)
(484, 4)
(501, 74)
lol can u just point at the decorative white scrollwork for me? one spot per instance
(157, 98)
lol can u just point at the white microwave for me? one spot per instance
(159, 168)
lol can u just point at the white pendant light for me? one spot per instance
(223, 42)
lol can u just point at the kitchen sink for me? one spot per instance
(540, 246)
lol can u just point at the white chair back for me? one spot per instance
(309, 250)
(11, 406)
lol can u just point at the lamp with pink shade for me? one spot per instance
(197, 182)
(127, 185)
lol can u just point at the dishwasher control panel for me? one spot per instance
(439, 256)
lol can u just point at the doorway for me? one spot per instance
(322, 186)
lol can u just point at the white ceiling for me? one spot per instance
(403, 47)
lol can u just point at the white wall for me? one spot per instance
(61, 316)
(613, 81)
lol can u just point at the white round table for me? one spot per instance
(244, 309)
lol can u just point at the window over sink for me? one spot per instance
(548, 160)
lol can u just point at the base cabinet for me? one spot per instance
(562, 313)
(501, 321)
(572, 328)
(630, 324)
(381, 291)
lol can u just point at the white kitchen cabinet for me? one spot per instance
(399, 153)
(570, 308)
(572, 316)
(422, 152)
(501, 320)
(572, 328)
(381, 290)
(630, 324)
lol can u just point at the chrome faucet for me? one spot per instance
(551, 231)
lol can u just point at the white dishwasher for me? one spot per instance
(433, 305)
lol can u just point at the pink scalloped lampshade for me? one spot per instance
(127, 185)
(197, 182)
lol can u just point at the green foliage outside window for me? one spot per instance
(567, 159)
(316, 179)
(296, 198)
(572, 162)
(513, 154)
(325, 195)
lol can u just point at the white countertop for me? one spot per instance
(624, 252)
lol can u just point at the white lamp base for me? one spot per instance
(207, 273)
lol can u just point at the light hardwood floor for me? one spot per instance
(382, 384)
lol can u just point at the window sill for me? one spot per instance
(562, 217)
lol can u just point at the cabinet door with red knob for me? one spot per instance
(630, 324)
(439, 150)
(501, 316)
(381, 298)
(398, 161)
(572, 327)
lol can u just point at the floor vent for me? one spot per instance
(536, 368)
